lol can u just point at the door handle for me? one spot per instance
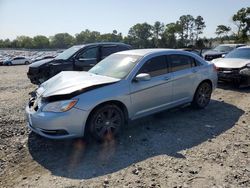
(194, 71)
(167, 78)
(92, 64)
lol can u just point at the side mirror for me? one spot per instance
(223, 55)
(143, 77)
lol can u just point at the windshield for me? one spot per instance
(116, 65)
(68, 53)
(243, 53)
(223, 48)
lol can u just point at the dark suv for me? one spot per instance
(76, 58)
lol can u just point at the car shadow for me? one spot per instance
(167, 133)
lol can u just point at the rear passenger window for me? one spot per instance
(155, 66)
(107, 50)
(180, 62)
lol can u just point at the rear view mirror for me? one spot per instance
(143, 77)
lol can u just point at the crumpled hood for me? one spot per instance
(230, 62)
(70, 81)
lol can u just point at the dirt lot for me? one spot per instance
(178, 148)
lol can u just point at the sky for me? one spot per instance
(48, 17)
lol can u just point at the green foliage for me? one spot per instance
(62, 40)
(140, 35)
(158, 29)
(40, 42)
(242, 21)
(222, 31)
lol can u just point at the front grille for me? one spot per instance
(228, 70)
(60, 132)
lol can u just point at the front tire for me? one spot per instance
(106, 122)
(202, 95)
(26, 63)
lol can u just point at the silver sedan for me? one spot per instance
(124, 86)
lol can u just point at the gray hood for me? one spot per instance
(70, 81)
(230, 62)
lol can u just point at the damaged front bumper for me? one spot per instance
(56, 125)
(235, 75)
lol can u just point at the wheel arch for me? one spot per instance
(118, 103)
(203, 81)
(206, 80)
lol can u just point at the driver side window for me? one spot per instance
(155, 67)
(89, 53)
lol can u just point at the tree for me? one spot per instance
(222, 31)
(24, 42)
(199, 25)
(111, 37)
(40, 42)
(168, 38)
(62, 40)
(139, 35)
(158, 29)
(185, 26)
(87, 36)
(242, 21)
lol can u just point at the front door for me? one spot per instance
(87, 59)
(155, 94)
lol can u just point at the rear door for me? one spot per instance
(86, 59)
(185, 77)
(153, 95)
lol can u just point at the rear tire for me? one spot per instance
(106, 122)
(202, 95)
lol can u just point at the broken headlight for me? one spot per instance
(60, 106)
(246, 70)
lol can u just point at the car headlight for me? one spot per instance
(59, 106)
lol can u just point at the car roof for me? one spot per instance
(18, 57)
(143, 52)
(233, 45)
(102, 43)
(247, 47)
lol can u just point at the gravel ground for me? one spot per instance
(177, 148)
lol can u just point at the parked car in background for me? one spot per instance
(235, 66)
(197, 52)
(124, 86)
(2, 59)
(78, 58)
(17, 61)
(220, 51)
